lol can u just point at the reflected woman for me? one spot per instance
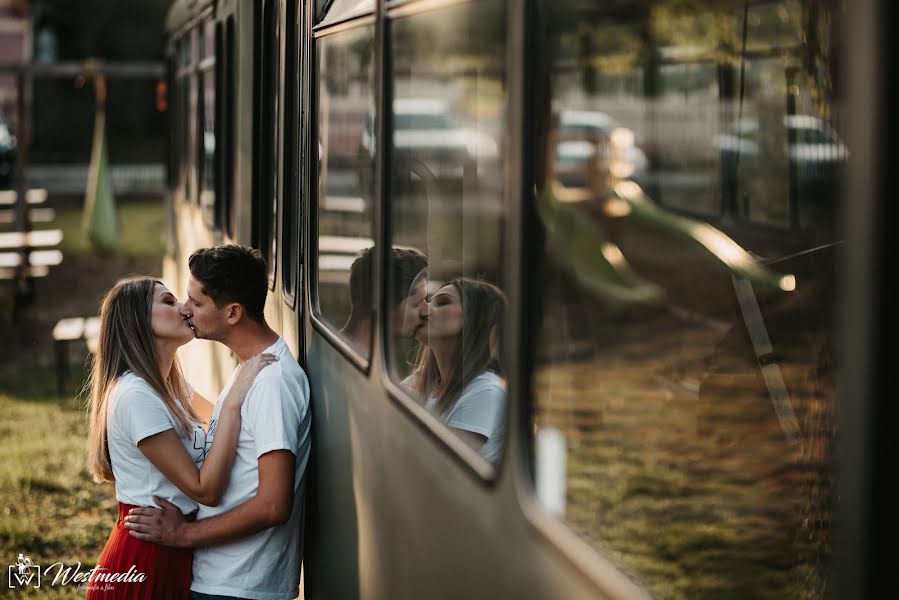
(145, 433)
(458, 375)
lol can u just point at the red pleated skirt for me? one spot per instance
(166, 571)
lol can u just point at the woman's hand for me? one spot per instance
(246, 373)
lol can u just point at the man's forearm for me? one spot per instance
(252, 516)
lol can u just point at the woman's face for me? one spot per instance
(165, 317)
(441, 317)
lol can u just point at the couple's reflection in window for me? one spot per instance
(444, 346)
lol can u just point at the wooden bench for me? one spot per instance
(32, 197)
(30, 239)
(35, 215)
(20, 265)
(67, 331)
(36, 258)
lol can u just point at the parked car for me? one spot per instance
(426, 130)
(813, 144)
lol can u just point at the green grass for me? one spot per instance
(141, 224)
(50, 510)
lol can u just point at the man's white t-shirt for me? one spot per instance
(275, 416)
(134, 411)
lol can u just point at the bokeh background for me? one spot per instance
(50, 510)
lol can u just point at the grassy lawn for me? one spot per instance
(141, 227)
(50, 510)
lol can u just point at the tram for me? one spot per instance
(680, 201)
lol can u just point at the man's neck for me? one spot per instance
(251, 339)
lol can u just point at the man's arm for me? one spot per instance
(271, 506)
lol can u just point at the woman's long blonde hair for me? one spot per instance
(126, 344)
(483, 313)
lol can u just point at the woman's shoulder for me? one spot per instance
(485, 387)
(129, 381)
(487, 380)
(130, 388)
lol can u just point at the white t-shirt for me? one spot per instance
(275, 416)
(479, 409)
(134, 411)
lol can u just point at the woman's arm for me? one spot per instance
(167, 453)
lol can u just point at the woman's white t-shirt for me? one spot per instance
(134, 412)
(480, 409)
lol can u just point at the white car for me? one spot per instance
(814, 143)
(426, 130)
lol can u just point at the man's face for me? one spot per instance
(407, 314)
(207, 321)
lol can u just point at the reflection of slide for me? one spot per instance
(761, 345)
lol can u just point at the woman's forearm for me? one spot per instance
(213, 474)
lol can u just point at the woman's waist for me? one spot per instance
(127, 505)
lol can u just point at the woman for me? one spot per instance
(145, 434)
(458, 375)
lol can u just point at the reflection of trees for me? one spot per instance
(628, 39)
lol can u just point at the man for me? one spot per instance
(249, 546)
(406, 291)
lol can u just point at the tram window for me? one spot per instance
(207, 157)
(685, 412)
(192, 138)
(445, 322)
(346, 150)
(293, 188)
(265, 175)
(229, 156)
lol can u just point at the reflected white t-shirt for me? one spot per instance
(275, 416)
(134, 411)
(480, 409)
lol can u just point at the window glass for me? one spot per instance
(265, 200)
(293, 187)
(229, 100)
(346, 154)
(446, 304)
(684, 382)
(207, 144)
(209, 37)
(190, 140)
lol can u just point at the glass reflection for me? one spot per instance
(207, 191)
(345, 180)
(446, 202)
(458, 375)
(685, 371)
